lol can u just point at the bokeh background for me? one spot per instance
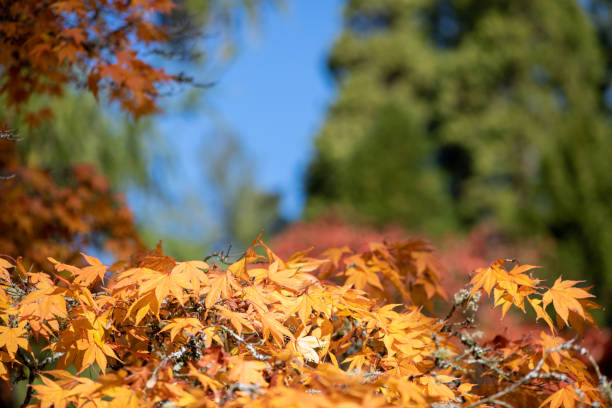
(484, 126)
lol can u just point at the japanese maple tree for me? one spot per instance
(40, 218)
(263, 331)
(45, 45)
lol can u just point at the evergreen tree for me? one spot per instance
(506, 118)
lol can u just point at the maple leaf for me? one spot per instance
(309, 302)
(428, 264)
(123, 397)
(220, 286)
(283, 277)
(156, 260)
(255, 296)
(335, 254)
(42, 308)
(436, 388)
(517, 275)
(190, 275)
(564, 297)
(12, 338)
(161, 284)
(84, 276)
(577, 322)
(306, 346)
(81, 389)
(144, 305)
(541, 313)
(84, 342)
(360, 278)
(487, 278)
(4, 273)
(509, 293)
(238, 320)
(205, 380)
(97, 353)
(51, 394)
(271, 325)
(358, 360)
(247, 371)
(565, 397)
(549, 343)
(190, 325)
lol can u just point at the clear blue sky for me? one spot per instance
(273, 94)
(276, 92)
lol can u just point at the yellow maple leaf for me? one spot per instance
(271, 325)
(12, 338)
(4, 273)
(487, 278)
(565, 397)
(564, 297)
(51, 394)
(205, 380)
(220, 286)
(306, 346)
(190, 325)
(190, 275)
(247, 371)
(541, 313)
(335, 254)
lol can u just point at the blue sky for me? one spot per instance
(277, 90)
(273, 94)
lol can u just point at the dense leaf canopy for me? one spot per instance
(268, 332)
(41, 218)
(94, 44)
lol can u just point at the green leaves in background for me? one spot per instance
(455, 112)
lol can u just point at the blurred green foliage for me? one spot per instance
(244, 210)
(80, 130)
(227, 208)
(450, 113)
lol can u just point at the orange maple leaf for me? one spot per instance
(487, 278)
(247, 371)
(565, 397)
(564, 297)
(271, 325)
(12, 338)
(189, 324)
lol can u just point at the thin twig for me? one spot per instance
(502, 403)
(535, 373)
(248, 345)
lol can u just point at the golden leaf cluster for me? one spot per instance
(269, 332)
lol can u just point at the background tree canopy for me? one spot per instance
(455, 112)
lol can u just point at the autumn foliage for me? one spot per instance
(40, 218)
(457, 257)
(45, 45)
(347, 326)
(267, 332)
